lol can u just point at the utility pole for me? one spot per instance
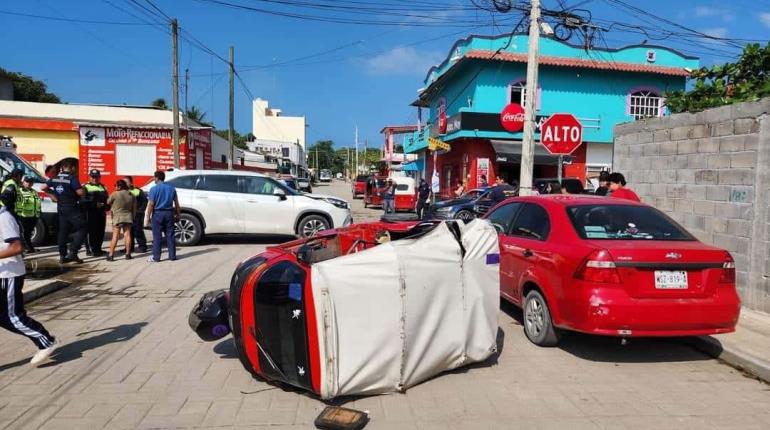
(231, 117)
(357, 168)
(528, 143)
(175, 89)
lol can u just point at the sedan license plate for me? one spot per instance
(670, 279)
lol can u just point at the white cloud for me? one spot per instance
(707, 12)
(402, 61)
(764, 18)
(716, 32)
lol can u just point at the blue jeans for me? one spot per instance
(163, 223)
(388, 206)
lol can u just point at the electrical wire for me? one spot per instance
(58, 18)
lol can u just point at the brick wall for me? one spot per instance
(710, 171)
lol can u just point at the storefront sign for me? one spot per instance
(436, 144)
(512, 118)
(479, 121)
(482, 169)
(92, 136)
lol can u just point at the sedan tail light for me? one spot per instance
(728, 270)
(598, 267)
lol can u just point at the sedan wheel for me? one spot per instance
(465, 216)
(312, 225)
(537, 321)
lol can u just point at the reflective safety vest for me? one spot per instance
(10, 182)
(29, 203)
(95, 193)
(135, 192)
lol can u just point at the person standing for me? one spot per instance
(162, 213)
(619, 190)
(95, 205)
(423, 195)
(137, 227)
(123, 206)
(389, 196)
(66, 191)
(13, 316)
(604, 183)
(9, 194)
(28, 211)
(459, 190)
(502, 190)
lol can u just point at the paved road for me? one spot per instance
(130, 361)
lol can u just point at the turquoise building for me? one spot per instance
(481, 75)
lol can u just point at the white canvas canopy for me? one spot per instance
(402, 312)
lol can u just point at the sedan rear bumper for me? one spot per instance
(610, 311)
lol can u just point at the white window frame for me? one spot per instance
(645, 103)
(521, 86)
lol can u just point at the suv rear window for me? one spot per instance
(621, 222)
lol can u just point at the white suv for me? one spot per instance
(232, 202)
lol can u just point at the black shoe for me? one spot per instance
(110, 258)
(129, 257)
(74, 259)
(89, 253)
(142, 249)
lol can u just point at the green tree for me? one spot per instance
(28, 89)
(160, 103)
(197, 115)
(239, 140)
(748, 79)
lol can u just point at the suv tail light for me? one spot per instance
(728, 270)
(598, 267)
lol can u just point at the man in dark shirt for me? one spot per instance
(66, 191)
(502, 190)
(423, 194)
(604, 183)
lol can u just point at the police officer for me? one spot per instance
(9, 194)
(28, 210)
(423, 194)
(66, 190)
(137, 228)
(95, 205)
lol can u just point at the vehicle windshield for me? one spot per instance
(10, 160)
(624, 222)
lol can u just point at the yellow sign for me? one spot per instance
(435, 144)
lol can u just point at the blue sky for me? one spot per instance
(363, 75)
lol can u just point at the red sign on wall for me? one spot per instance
(512, 118)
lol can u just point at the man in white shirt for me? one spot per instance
(13, 317)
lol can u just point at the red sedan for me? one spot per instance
(610, 267)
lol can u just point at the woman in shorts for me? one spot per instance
(123, 207)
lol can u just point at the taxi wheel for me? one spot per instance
(538, 325)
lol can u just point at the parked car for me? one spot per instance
(359, 186)
(462, 207)
(609, 267)
(232, 202)
(328, 315)
(325, 175)
(303, 184)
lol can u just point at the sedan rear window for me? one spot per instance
(624, 222)
(361, 178)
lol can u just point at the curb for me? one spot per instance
(733, 357)
(44, 289)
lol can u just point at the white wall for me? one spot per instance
(269, 124)
(599, 154)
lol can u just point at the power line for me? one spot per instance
(81, 21)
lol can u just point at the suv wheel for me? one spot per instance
(538, 325)
(311, 225)
(39, 233)
(188, 230)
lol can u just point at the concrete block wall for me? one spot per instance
(710, 171)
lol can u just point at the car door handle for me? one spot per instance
(528, 253)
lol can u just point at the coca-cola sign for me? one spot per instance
(512, 118)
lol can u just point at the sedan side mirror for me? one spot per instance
(280, 193)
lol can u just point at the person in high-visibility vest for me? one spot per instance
(9, 194)
(137, 228)
(95, 205)
(28, 210)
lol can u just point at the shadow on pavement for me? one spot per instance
(245, 239)
(226, 348)
(609, 349)
(74, 350)
(185, 254)
(16, 363)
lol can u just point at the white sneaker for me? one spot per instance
(152, 260)
(43, 354)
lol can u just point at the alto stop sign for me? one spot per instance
(561, 134)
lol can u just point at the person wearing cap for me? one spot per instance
(604, 183)
(66, 191)
(28, 210)
(9, 194)
(95, 206)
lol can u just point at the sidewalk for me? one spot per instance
(748, 348)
